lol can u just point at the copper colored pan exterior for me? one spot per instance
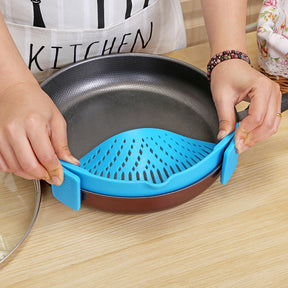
(148, 204)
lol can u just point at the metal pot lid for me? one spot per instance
(20, 202)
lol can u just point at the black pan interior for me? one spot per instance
(103, 96)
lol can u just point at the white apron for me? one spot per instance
(53, 33)
(272, 37)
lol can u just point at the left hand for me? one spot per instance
(233, 81)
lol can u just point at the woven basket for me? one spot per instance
(282, 81)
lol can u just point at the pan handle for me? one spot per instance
(244, 113)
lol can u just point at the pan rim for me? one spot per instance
(122, 55)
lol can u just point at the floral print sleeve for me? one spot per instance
(272, 37)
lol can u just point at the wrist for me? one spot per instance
(233, 44)
(224, 56)
(11, 85)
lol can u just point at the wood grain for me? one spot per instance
(229, 236)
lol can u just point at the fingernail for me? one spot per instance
(56, 175)
(56, 180)
(244, 148)
(47, 177)
(241, 147)
(222, 134)
(239, 144)
(49, 181)
(74, 160)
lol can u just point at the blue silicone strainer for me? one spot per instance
(145, 162)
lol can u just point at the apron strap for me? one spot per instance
(38, 20)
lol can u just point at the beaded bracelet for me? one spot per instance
(223, 56)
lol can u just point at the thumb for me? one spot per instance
(226, 115)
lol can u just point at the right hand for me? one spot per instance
(33, 134)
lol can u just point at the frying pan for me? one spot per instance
(104, 96)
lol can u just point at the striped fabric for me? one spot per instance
(73, 14)
(51, 34)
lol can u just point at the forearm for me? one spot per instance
(13, 69)
(225, 24)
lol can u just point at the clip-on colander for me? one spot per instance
(145, 162)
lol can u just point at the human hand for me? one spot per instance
(32, 134)
(233, 81)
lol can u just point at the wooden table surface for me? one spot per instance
(229, 236)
